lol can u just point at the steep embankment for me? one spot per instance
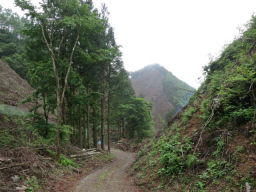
(211, 143)
(167, 93)
(13, 89)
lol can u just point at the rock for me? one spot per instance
(22, 188)
(15, 178)
(248, 187)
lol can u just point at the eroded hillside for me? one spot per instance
(167, 93)
(13, 89)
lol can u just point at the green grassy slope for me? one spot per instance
(211, 143)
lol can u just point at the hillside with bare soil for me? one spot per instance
(210, 144)
(166, 92)
(13, 89)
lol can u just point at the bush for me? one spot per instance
(174, 155)
(188, 114)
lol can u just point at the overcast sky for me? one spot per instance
(180, 35)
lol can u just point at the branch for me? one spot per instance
(49, 45)
(70, 60)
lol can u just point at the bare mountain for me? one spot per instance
(167, 93)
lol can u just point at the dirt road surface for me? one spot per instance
(111, 178)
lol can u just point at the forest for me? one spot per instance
(69, 56)
(70, 119)
(82, 95)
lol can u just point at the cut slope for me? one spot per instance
(13, 89)
(211, 143)
(165, 91)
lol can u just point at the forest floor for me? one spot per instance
(111, 178)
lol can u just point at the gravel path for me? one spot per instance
(111, 178)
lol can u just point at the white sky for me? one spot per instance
(177, 34)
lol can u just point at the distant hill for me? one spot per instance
(159, 86)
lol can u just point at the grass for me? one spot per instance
(11, 110)
(103, 176)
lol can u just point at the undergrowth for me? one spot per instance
(208, 157)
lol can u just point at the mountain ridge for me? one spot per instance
(167, 93)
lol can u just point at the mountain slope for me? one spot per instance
(13, 89)
(167, 93)
(211, 143)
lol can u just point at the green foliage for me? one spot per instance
(6, 138)
(174, 155)
(191, 160)
(138, 117)
(141, 153)
(241, 116)
(66, 131)
(220, 146)
(66, 162)
(226, 101)
(11, 110)
(215, 170)
(176, 90)
(186, 115)
(12, 41)
(33, 184)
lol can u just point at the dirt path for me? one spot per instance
(112, 178)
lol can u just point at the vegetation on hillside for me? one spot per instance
(12, 41)
(159, 86)
(72, 61)
(210, 145)
(82, 93)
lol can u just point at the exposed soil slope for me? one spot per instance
(210, 144)
(13, 89)
(160, 87)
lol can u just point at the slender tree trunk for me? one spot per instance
(80, 128)
(64, 113)
(60, 96)
(46, 115)
(74, 132)
(108, 121)
(94, 128)
(88, 122)
(122, 135)
(85, 131)
(102, 118)
(119, 130)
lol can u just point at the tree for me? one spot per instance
(60, 25)
(12, 41)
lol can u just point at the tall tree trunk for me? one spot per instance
(94, 128)
(80, 128)
(60, 94)
(88, 122)
(122, 135)
(119, 130)
(64, 113)
(74, 131)
(108, 121)
(102, 119)
(46, 115)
